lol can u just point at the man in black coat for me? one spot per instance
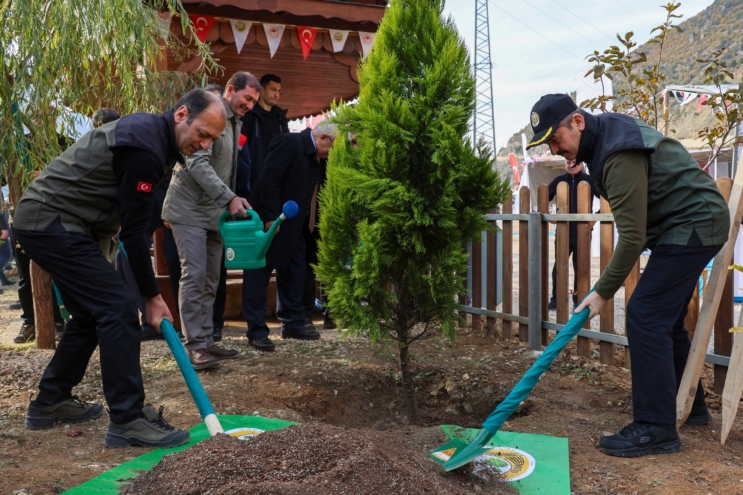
(574, 176)
(262, 124)
(292, 171)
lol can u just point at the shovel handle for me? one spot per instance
(192, 381)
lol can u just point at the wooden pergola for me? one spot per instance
(308, 86)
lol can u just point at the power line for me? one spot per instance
(560, 23)
(537, 32)
(582, 19)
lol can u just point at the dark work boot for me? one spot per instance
(26, 334)
(72, 410)
(699, 415)
(639, 439)
(150, 431)
(217, 334)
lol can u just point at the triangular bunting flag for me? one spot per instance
(201, 24)
(688, 97)
(339, 39)
(164, 18)
(367, 41)
(702, 99)
(306, 38)
(274, 32)
(240, 30)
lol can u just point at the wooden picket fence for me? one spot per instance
(492, 276)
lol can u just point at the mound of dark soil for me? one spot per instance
(308, 459)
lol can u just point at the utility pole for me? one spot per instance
(484, 119)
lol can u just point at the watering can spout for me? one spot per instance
(290, 210)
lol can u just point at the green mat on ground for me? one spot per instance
(110, 482)
(534, 464)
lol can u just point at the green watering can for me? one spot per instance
(245, 242)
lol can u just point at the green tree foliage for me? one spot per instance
(401, 202)
(81, 55)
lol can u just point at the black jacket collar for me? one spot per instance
(586, 148)
(173, 150)
(309, 142)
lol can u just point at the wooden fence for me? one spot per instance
(530, 321)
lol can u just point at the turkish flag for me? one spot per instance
(201, 24)
(306, 38)
(144, 187)
(241, 140)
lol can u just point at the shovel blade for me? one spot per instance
(456, 453)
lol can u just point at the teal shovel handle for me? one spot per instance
(189, 374)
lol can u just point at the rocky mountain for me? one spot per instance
(718, 26)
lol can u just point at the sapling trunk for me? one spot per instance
(408, 388)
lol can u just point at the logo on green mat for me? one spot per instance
(230, 254)
(503, 463)
(243, 433)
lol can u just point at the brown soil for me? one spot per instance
(309, 459)
(350, 384)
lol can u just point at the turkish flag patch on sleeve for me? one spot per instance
(144, 187)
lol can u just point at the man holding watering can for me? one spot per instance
(200, 190)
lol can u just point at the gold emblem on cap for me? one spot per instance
(534, 119)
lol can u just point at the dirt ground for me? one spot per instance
(350, 384)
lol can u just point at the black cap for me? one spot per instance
(546, 114)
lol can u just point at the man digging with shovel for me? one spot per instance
(661, 199)
(105, 180)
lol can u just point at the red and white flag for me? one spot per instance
(201, 24)
(367, 42)
(702, 99)
(274, 32)
(144, 187)
(306, 38)
(339, 39)
(240, 30)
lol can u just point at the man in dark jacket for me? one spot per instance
(292, 172)
(106, 181)
(574, 176)
(261, 125)
(661, 199)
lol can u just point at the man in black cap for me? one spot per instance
(573, 176)
(661, 200)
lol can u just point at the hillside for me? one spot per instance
(717, 26)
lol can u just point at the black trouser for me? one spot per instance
(103, 313)
(655, 329)
(174, 274)
(25, 295)
(124, 269)
(220, 299)
(289, 289)
(170, 250)
(572, 252)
